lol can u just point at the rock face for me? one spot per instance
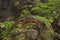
(7, 10)
(4, 8)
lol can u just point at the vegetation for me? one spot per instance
(47, 12)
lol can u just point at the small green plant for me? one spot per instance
(25, 13)
(8, 25)
(48, 10)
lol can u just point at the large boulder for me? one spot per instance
(30, 29)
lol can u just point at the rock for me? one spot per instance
(32, 33)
